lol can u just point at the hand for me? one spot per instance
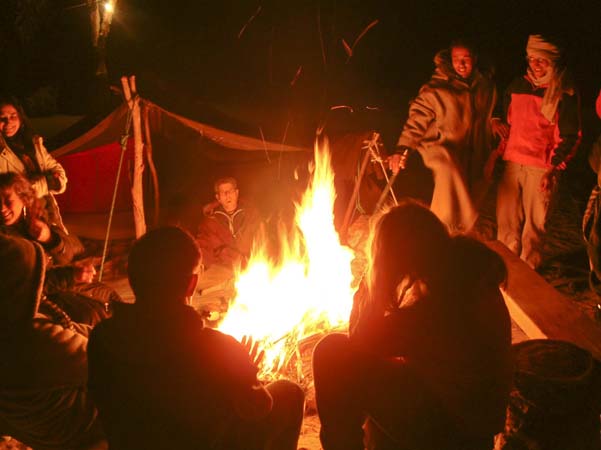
(549, 180)
(398, 161)
(489, 167)
(85, 273)
(252, 348)
(35, 177)
(39, 230)
(499, 128)
(53, 180)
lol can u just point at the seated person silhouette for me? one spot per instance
(427, 362)
(162, 380)
(44, 402)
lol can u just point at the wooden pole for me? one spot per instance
(137, 193)
(152, 168)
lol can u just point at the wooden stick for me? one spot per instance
(126, 91)
(386, 190)
(137, 189)
(351, 204)
(151, 167)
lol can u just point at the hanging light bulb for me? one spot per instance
(108, 7)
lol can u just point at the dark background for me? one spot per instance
(189, 56)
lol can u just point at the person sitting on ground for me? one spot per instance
(23, 152)
(428, 357)
(44, 401)
(69, 285)
(226, 232)
(225, 237)
(162, 380)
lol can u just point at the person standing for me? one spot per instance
(450, 124)
(542, 111)
(591, 221)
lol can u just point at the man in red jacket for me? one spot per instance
(542, 110)
(226, 232)
(225, 238)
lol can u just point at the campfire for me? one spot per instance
(307, 291)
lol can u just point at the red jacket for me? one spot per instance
(533, 140)
(227, 238)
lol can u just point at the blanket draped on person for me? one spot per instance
(449, 125)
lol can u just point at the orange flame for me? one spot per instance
(308, 292)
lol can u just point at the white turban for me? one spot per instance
(538, 47)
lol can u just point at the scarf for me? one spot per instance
(554, 79)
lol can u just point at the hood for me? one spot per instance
(22, 269)
(444, 68)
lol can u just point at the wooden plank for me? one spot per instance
(543, 312)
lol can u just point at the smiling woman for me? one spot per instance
(70, 286)
(24, 153)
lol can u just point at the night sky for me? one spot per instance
(279, 64)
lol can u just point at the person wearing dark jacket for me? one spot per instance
(427, 361)
(44, 402)
(542, 111)
(226, 232)
(225, 236)
(162, 380)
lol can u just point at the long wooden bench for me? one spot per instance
(543, 312)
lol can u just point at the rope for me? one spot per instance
(123, 142)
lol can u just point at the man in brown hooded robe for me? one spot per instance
(450, 125)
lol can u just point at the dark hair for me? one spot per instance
(406, 241)
(21, 186)
(224, 180)
(160, 264)
(25, 132)
(465, 43)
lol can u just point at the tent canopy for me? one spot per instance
(189, 156)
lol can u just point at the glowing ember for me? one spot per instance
(308, 291)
